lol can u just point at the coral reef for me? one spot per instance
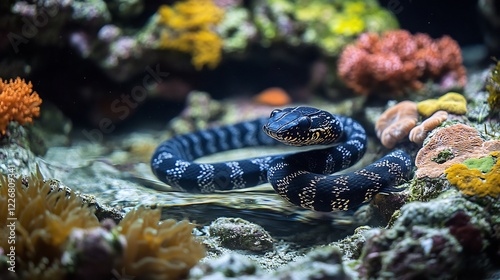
(451, 102)
(493, 88)
(419, 132)
(396, 122)
(18, 102)
(236, 233)
(430, 240)
(329, 24)
(472, 181)
(157, 249)
(189, 27)
(449, 145)
(397, 61)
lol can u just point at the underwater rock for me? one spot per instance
(15, 151)
(430, 240)
(236, 233)
(227, 266)
(322, 263)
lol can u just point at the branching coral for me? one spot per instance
(157, 250)
(45, 218)
(451, 145)
(397, 61)
(419, 132)
(451, 102)
(472, 181)
(396, 122)
(188, 29)
(18, 102)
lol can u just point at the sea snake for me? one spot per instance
(301, 178)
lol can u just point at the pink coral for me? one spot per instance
(398, 61)
(396, 122)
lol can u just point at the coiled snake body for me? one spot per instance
(301, 178)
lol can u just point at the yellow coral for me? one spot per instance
(157, 250)
(451, 102)
(189, 29)
(18, 102)
(472, 181)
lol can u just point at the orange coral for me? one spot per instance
(273, 96)
(451, 145)
(397, 61)
(18, 102)
(396, 122)
(418, 133)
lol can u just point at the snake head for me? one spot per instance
(301, 126)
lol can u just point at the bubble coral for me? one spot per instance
(450, 145)
(18, 102)
(45, 217)
(451, 102)
(419, 132)
(397, 61)
(396, 122)
(471, 181)
(157, 250)
(188, 29)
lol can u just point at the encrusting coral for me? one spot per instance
(396, 122)
(419, 132)
(57, 236)
(472, 181)
(18, 102)
(451, 102)
(397, 61)
(450, 145)
(188, 29)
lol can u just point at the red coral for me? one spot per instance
(18, 102)
(397, 61)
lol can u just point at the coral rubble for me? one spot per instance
(398, 61)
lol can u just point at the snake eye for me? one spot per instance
(274, 112)
(304, 123)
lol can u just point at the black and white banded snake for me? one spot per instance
(301, 178)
